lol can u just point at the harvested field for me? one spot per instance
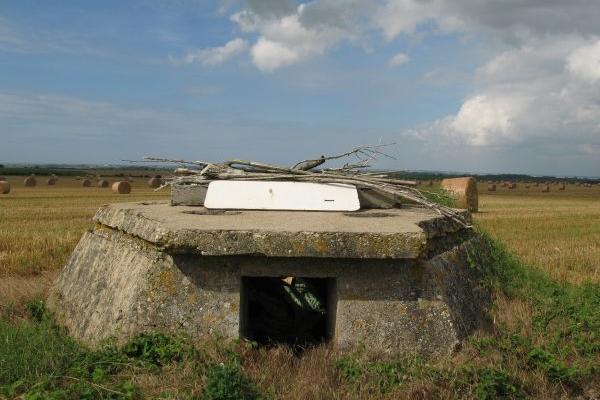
(543, 344)
(558, 232)
(41, 225)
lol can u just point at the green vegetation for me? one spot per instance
(557, 352)
(439, 196)
(428, 175)
(24, 171)
(39, 361)
(563, 344)
(228, 382)
(66, 171)
(465, 382)
(541, 263)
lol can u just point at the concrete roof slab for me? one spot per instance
(390, 233)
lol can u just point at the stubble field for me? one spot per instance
(555, 236)
(558, 232)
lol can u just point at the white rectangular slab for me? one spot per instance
(276, 195)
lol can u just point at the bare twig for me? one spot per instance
(364, 154)
(167, 160)
(303, 171)
(94, 385)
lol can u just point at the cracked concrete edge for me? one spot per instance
(274, 244)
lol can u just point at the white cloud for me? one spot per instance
(214, 56)
(590, 149)
(485, 119)
(268, 55)
(584, 62)
(293, 35)
(404, 16)
(398, 60)
(541, 87)
(290, 33)
(286, 41)
(511, 21)
(528, 95)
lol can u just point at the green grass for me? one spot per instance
(563, 346)
(544, 342)
(438, 196)
(564, 340)
(39, 361)
(556, 354)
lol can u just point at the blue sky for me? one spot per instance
(458, 85)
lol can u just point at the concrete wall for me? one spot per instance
(115, 286)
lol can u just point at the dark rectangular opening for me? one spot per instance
(295, 311)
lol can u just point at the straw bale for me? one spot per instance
(464, 190)
(121, 187)
(4, 187)
(30, 181)
(155, 181)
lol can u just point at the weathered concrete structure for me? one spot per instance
(397, 280)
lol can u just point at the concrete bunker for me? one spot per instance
(398, 281)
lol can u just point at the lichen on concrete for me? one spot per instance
(402, 281)
(403, 233)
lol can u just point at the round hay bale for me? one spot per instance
(545, 188)
(491, 187)
(4, 187)
(103, 183)
(464, 190)
(121, 187)
(86, 183)
(30, 181)
(155, 182)
(51, 181)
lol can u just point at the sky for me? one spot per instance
(508, 86)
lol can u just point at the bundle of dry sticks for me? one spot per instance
(306, 171)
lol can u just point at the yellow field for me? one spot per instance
(40, 226)
(557, 232)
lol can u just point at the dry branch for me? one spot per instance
(304, 171)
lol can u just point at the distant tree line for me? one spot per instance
(424, 175)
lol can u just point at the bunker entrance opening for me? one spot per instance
(288, 310)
